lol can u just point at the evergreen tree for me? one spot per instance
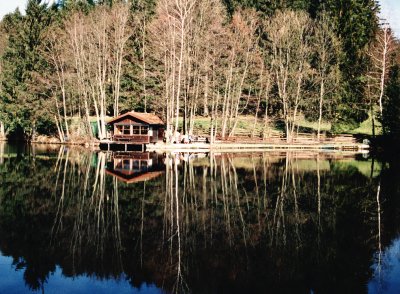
(356, 22)
(22, 106)
(267, 7)
(391, 116)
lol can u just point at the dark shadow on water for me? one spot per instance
(278, 222)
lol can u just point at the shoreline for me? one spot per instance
(224, 147)
(55, 141)
(258, 147)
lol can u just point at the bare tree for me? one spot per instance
(289, 33)
(93, 49)
(55, 52)
(76, 30)
(120, 33)
(327, 68)
(243, 51)
(379, 53)
(180, 36)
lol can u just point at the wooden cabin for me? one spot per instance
(135, 167)
(137, 128)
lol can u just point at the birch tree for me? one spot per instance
(56, 55)
(76, 31)
(289, 33)
(242, 48)
(120, 33)
(96, 43)
(180, 38)
(327, 68)
(379, 53)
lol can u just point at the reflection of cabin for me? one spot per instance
(135, 167)
(136, 127)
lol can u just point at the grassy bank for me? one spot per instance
(246, 126)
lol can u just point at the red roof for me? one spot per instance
(140, 178)
(148, 118)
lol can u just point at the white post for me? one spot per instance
(2, 131)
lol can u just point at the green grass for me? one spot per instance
(245, 126)
(364, 167)
(325, 126)
(365, 128)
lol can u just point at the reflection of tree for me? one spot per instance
(174, 203)
(241, 222)
(95, 209)
(279, 205)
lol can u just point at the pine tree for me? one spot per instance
(391, 116)
(22, 106)
(355, 23)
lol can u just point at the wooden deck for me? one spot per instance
(138, 139)
(245, 143)
(256, 147)
(124, 146)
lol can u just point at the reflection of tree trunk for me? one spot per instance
(319, 191)
(257, 192)
(60, 209)
(225, 200)
(82, 214)
(319, 199)
(116, 222)
(279, 213)
(296, 205)
(235, 191)
(174, 207)
(378, 202)
(142, 224)
(178, 231)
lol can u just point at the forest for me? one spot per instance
(65, 68)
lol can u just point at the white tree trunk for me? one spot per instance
(2, 131)
(321, 101)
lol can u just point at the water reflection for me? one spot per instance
(386, 270)
(284, 221)
(132, 167)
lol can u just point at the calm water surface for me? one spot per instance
(74, 221)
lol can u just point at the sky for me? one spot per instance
(390, 11)
(7, 6)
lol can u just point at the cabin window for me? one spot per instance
(127, 130)
(144, 130)
(136, 164)
(119, 129)
(126, 164)
(118, 164)
(135, 130)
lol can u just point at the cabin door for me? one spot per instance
(154, 137)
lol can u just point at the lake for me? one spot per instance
(75, 221)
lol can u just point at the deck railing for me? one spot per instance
(139, 139)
